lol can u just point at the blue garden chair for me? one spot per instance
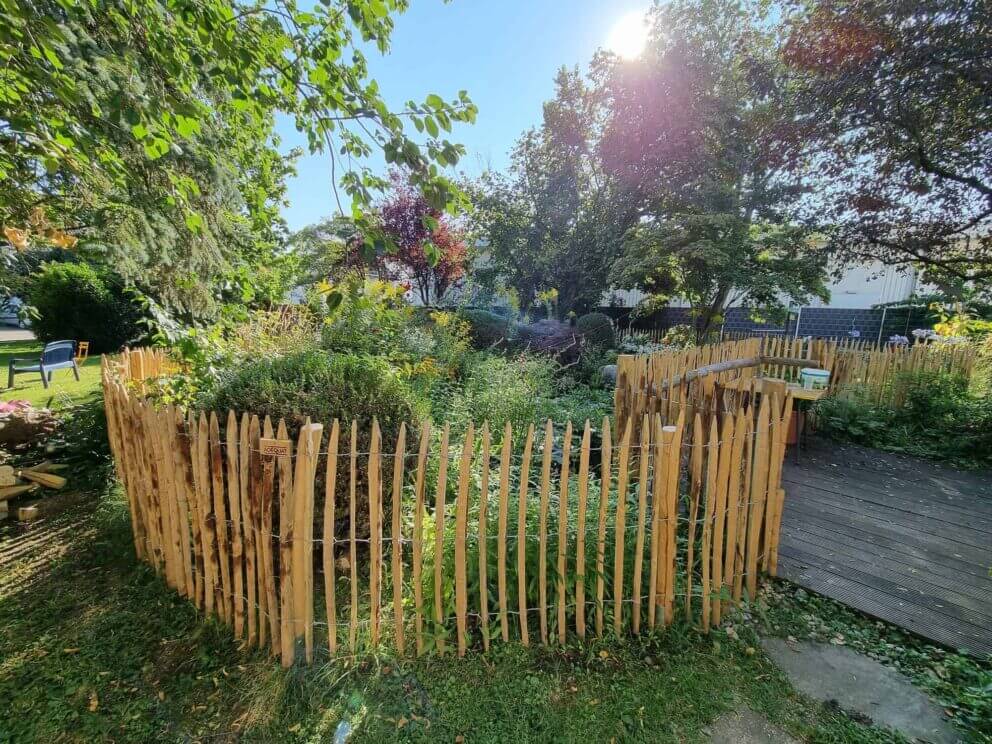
(56, 355)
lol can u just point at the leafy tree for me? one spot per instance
(145, 127)
(556, 220)
(322, 248)
(895, 99)
(427, 248)
(701, 133)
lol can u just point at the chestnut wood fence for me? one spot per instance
(341, 538)
(649, 381)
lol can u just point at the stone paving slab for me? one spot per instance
(747, 727)
(861, 685)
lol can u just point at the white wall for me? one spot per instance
(859, 287)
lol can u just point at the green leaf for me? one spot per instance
(334, 298)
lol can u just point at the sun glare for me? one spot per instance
(629, 35)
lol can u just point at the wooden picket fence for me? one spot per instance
(673, 519)
(882, 373)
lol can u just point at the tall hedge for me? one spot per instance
(79, 302)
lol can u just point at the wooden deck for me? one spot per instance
(901, 539)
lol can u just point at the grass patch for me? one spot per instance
(94, 647)
(63, 390)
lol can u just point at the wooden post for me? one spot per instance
(542, 531)
(225, 597)
(504, 493)
(418, 536)
(522, 536)
(580, 538)
(461, 528)
(566, 452)
(234, 509)
(483, 538)
(375, 531)
(642, 506)
(330, 489)
(439, 495)
(397, 538)
(248, 527)
(620, 525)
(352, 535)
(606, 470)
(286, 536)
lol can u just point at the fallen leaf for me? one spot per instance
(70, 650)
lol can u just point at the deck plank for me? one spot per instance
(901, 539)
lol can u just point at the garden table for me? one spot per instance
(803, 398)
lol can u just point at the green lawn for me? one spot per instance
(62, 391)
(94, 647)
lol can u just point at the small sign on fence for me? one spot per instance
(274, 447)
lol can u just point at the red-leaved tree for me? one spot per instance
(428, 250)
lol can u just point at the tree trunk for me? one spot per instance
(704, 318)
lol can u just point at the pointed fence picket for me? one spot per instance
(674, 520)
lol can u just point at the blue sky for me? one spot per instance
(503, 52)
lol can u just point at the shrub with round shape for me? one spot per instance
(486, 329)
(320, 386)
(597, 329)
(77, 301)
